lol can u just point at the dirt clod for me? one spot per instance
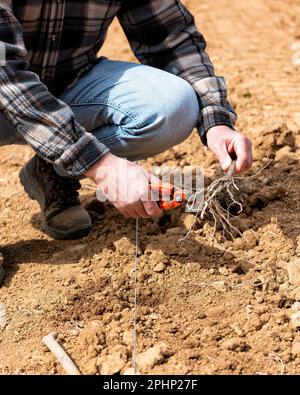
(294, 271)
(111, 364)
(153, 356)
(235, 344)
(159, 267)
(223, 271)
(295, 317)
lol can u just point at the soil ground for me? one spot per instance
(220, 306)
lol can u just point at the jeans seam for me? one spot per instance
(109, 103)
(113, 138)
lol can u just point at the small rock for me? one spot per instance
(227, 256)
(237, 329)
(251, 238)
(249, 309)
(267, 180)
(296, 294)
(223, 271)
(260, 299)
(295, 307)
(235, 344)
(254, 323)
(240, 244)
(111, 364)
(283, 153)
(295, 317)
(188, 220)
(74, 332)
(128, 338)
(153, 356)
(159, 267)
(124, 246)
(154, 257)
(91, 337)
(294, 271)
(145, 310)
(220, 285)
(285, 137)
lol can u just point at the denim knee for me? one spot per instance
(182, 112)
(173, 117)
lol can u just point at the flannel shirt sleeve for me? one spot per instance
(46, 123)
(162, 33)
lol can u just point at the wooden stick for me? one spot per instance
(61, 355)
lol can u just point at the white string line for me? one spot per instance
(135, 293)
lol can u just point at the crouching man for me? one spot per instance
(81, 113)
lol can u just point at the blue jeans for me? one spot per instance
(137, 111)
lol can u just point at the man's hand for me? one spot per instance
(223, 141)
(125, 185)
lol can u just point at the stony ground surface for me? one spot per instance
(209, 305)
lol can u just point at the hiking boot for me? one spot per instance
(63, 217)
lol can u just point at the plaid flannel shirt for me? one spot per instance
(49, 45)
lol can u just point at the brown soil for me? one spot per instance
(218, 306)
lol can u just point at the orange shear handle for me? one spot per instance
(166, 191)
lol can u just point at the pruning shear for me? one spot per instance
(168, 198)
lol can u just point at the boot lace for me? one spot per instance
(62, 192)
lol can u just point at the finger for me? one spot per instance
(125, 210)
(152, 208)
(132, 213)
(242, 148)
(136, 210)
(223, 156)
(140, 210)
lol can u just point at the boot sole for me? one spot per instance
(26, 181)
